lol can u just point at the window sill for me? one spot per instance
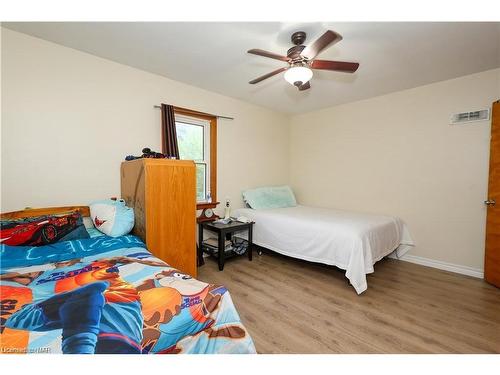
(203, 205)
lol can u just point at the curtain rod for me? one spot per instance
(201, 113)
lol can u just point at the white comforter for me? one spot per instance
(351, 241)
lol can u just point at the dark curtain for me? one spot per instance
(168, 132)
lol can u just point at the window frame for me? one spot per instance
(210, 146)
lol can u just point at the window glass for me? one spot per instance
(190, 141)
(201, 182)
(193, 142)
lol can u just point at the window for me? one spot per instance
(196, 138)
(193, 138)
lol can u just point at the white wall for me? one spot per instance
(397, 154)
(70, 118)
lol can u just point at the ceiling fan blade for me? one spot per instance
(339, 66)
(271, 55)
(305, 86)
(315, 48)
(265, 76)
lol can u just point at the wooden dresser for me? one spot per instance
(163, 195)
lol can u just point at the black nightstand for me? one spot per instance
(224, 231)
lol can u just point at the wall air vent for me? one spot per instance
(466, 117)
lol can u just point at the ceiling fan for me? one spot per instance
(301, 59)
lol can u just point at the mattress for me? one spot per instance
(349, 240)
(110, 295)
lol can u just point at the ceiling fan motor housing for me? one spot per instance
(298, 37)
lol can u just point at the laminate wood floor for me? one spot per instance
(293, 306)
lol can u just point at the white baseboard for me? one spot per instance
(457, 268)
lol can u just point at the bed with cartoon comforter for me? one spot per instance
(110, 295)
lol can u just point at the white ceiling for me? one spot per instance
(212, 55)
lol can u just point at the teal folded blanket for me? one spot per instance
(270, 197)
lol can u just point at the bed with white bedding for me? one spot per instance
(351, 241)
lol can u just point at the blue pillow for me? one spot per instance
(270, 197)
(112, 217)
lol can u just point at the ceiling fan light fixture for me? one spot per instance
(298, 75)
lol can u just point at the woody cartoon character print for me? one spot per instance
(110, 295)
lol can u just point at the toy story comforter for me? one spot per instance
(110, 295)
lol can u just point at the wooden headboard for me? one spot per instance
(30, 212)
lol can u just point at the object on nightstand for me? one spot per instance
(223, 221)
(243, 219)
(212, 245)
(207, 214)
(227, 210)
(240, 245)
